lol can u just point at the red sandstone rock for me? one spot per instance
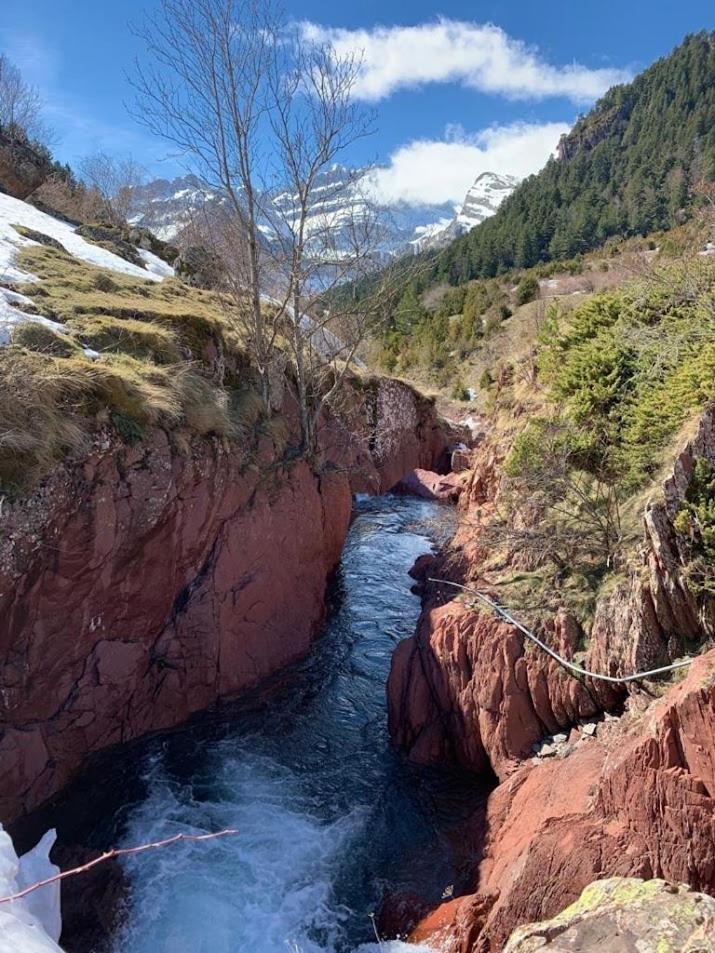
(462, 459)
(140, 584)
(639, 801)
(466, 690)
(431, 486)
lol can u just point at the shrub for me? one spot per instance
(695, 525)
(459, 391)
(631, 365)
(485, 379)
(527, 289)
(492, 320)
(129, 429)
(104, 282)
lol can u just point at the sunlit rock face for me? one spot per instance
(583, 793)
(139, 584)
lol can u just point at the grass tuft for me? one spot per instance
(163, 348)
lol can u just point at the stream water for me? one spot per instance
(330, 819)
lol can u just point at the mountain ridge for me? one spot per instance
(168, 206)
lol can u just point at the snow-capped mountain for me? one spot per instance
(482, 200)
(167, 207)
(341, 198)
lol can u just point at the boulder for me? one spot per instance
(625, 915)
(198, 267)
(431, 486)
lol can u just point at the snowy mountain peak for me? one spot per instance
(482, 200)
(485, 197)
(167, 207)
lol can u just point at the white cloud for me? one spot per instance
(481, 56)
(435, 171)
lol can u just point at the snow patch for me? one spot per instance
(33, 924)
(156, 266)
(15, 212)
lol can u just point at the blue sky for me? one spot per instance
(441, 118)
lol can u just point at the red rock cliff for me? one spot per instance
(634, 797)
(140, 584)
(637, 800)
(468, 689)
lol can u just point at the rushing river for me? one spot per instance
(330, 820)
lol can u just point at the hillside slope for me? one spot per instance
(626, 168)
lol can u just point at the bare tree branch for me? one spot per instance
(109, 854)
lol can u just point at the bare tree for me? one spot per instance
(115, 181)
(20, 105)
(262, 114)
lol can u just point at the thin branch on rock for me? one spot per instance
(115, 852)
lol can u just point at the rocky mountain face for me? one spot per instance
(481, 201)
(22, 168)
(169, 206)
(582, 793)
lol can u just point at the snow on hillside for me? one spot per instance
(15, 212)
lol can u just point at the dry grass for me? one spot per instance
(141, 339)
(71, 290)
(37, 393)
(35, 336)
(157, 343)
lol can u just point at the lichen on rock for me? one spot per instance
(625, 915)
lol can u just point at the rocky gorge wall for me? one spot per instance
(629, 796)
(139, 584)
(469, 689)
(638, 799)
